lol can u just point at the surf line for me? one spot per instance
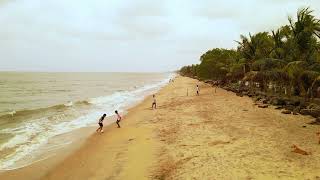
(19, 167)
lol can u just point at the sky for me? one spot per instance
(129, 35)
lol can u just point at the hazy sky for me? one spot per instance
(132, 35)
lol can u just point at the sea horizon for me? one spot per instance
(42, 71)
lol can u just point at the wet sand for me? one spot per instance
(216, 135)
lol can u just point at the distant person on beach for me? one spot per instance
(101, 123)
(198, 90)
(154, 103)
(118, 119)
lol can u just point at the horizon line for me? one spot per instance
(35, 71)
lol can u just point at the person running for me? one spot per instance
(154, 103)
(198, 90)
(118, 118)
(101, 123)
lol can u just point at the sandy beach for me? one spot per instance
(216, 135)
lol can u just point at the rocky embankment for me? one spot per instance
(287, 105)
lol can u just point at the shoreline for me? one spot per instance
(46, 161)
(217, 135)
(77, 138)
(80, 137)
(131, 98)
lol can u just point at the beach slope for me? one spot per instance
(216, 135)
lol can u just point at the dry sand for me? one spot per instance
(216, 135)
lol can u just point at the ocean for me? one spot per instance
(36, 107)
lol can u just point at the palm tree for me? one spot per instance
(255, 47)
(280, 38)
(305, 30)
(294, 71)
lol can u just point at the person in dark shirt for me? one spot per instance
(154, 103)
(118, 118)
(198, 90)
(101, 123)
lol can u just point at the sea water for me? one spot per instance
(35, 107)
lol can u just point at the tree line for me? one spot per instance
(286, 60)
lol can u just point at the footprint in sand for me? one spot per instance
(214, 143)
(193, 124)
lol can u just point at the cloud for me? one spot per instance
(135, 35)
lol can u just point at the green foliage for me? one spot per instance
(190, 71)
(288, 57)
(305, 32)
(216, 63)
(268, 64)
(256, 46)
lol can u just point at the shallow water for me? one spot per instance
(35, 107)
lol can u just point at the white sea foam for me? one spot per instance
(68, 104)
(31, 135)
(12, 113)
